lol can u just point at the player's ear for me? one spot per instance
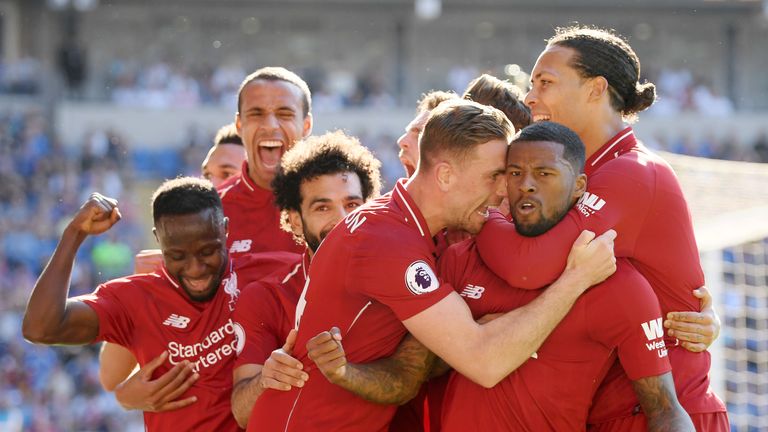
(297, 225)
(238, 125)
(226, 226)
(580, 186)
(308, 122)
(444, 175)
(154, 233)
(598, 88)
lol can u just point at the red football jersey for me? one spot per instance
(635, 192)
(254, 220)
(553, 390)
(372, 271)
(265, 312)
(150, 313)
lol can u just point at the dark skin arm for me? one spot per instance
(659, 403)
(392, 380)
(50, 317)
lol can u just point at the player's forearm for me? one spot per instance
(393, 380)
(506, 343)
(525, 262)
(116, 364)
(46, 308)
(659, 403)
(244, 395)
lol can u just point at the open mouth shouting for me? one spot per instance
(270, 152)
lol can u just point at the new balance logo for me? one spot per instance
(653, 329)
(589, 204)
(240, 246)
(472, 291)
(177, 321)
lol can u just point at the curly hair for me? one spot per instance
(315, 156)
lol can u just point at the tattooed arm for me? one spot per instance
(659, 402)
(392, 380)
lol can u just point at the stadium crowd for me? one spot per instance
(41, 185)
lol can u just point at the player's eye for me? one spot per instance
(354, 204)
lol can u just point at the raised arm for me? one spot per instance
(391, 380)
(488, 353)
(50, 318)
(659, 403)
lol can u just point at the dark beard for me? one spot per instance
(313, 242)
(542, 226)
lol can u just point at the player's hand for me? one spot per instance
(695, 330)
(148, 261)
(141, 392)
(591, 258)
(281, 371)
(327, 352)
(97, 215)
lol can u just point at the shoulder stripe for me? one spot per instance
(413, 215)
(613, 144)
(358, 315)
(292, 273)
(224, 191)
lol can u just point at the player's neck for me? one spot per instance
(601, 129)
(427, 200)
(255, 179)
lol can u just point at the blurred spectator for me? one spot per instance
(761, 147)
(163, 85)
(53, 389)
(20, 77)
(679, 92)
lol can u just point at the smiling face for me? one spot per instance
(223, 161)
(478, 182)
(541, 185)
(409, 143)
(558, 93)
(194, 251)
(325, 201)
(270, 121)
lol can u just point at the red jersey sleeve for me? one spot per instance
(257, 318)
(404, 280)
(615, 200)
(628, 317)
(454, 262)
(111, 302)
